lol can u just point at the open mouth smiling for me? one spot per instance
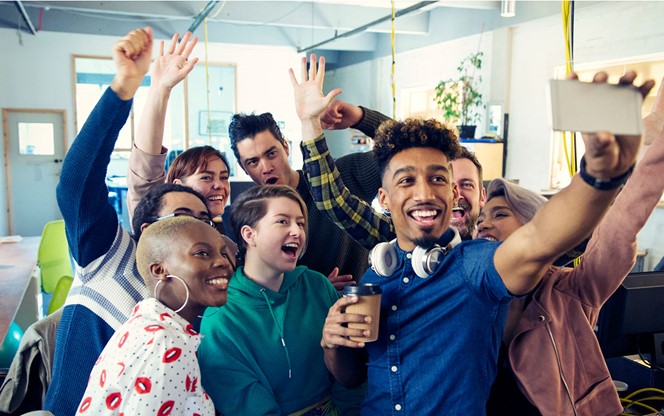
(458, 213)
(220, 282)
(425, 217)
(220, 198)
(487, 237)
(290, 249)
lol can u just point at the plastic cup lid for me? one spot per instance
(362, 289)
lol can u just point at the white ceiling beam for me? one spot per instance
(363, 28)
(26, 18)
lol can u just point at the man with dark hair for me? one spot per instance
(441, 303)
(155, 205)
(262, 152)
(107, 284)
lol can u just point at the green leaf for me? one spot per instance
(460, 99)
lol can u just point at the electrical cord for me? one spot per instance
(643, 358)
(638, 403)
(569, 138)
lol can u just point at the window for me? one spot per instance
(193, 117)
(36, 139)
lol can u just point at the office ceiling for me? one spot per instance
(321, 25)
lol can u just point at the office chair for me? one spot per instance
(53, 255)
(60, 294)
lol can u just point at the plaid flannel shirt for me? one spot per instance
(358, 218)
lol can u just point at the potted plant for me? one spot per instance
(459, 98)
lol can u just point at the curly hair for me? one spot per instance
(191, 161)
(251, 206)
(247, 126)
(393, 137)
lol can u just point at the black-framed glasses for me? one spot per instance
(179, 214)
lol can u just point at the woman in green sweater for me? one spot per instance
(261, 352)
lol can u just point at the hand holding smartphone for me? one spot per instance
(591, 107)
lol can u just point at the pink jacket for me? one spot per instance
(555, 333)
(145, 171)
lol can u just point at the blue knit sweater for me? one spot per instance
(107, 285)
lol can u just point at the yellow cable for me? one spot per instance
(645, 406)
(567, 29)
(644, 390)
(394, 84)
(569, 145)
(647, 399)
(567, 155)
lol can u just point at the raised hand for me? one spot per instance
(339, 281)
(341, 115)
(608, 156)
(171, 68)
(132, 55)
(310, 102)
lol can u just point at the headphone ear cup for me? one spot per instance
(383, 259)
(426, 261)
(418, 260)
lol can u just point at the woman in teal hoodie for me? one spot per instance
(261, 352)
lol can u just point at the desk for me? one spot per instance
(17, 261)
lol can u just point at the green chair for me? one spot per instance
(53, 256)
(60, 294)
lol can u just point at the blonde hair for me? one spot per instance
(155, 243)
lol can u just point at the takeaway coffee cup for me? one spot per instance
(368, 303)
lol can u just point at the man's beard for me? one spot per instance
(467, 227)
(426, 241)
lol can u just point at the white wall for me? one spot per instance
(36, 73)
(359, 86)
(370, 83)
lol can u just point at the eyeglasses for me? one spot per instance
(184, 214)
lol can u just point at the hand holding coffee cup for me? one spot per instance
(368, 303)
(336, 332)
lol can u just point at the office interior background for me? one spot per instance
(56, 63)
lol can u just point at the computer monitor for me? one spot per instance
(632, 320)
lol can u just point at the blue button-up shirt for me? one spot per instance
(438, 337)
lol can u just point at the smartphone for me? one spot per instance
(591, 107)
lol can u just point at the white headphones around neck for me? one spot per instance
(384, 261)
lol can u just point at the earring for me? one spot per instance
(186, 288)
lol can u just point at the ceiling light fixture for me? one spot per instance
(508, 8)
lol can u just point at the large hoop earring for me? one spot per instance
(186, 288)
